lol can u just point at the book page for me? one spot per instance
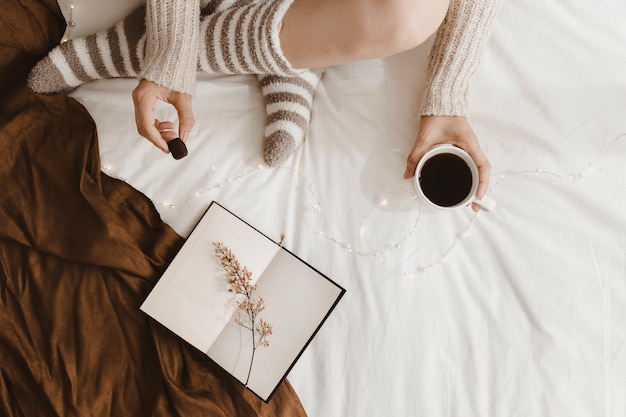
(298, 299)
(192, 298)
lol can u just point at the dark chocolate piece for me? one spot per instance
(177, 148)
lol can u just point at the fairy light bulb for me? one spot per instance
(71, 24)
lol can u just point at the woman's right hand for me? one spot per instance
(145, 97)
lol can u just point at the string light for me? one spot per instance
(71, 24)
(381, 257)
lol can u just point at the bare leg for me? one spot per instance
(281, 36)
(321, 33)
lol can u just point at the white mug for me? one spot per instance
(450, 180)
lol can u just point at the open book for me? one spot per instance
(192, 299)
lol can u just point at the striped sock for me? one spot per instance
(113, 53)
(244, 40)
(288, 103)
(230, 45)
(217, 6)
(119, 52)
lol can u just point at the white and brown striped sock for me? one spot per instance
(217, 6)
(288, 104)
(230, 43)
(117, 52)
(244, 40)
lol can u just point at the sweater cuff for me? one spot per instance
(171, 58)
(455, 55)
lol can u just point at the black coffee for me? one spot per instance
(446, 179)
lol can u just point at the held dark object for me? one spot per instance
(177, 148)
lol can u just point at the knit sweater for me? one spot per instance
(172, 50)
(455, 55)
(171, 56)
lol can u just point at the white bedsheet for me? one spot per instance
(517, 312)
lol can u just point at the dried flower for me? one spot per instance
(248, 307)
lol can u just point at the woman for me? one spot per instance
(320, 33)
(286, 43)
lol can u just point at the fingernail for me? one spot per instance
(407, 173)
(185, 136)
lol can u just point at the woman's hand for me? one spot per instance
(454, 130)
(145, 97)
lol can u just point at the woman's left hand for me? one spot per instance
(454, 130)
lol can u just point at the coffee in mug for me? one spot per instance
(447, 177)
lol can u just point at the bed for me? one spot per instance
(516, 312)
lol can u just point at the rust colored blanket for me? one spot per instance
(79, 251)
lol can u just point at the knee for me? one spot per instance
(409, 23)
(399, 25)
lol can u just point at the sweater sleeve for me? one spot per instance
(171, 58)
(455, 54)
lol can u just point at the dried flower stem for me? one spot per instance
(240, 281)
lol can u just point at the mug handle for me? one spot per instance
(486, 203)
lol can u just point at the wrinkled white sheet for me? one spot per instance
(518, 312)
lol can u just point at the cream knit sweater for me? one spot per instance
(171, 57)
(172, 50)
(454, 56)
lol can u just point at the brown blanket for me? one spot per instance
(79, 251)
